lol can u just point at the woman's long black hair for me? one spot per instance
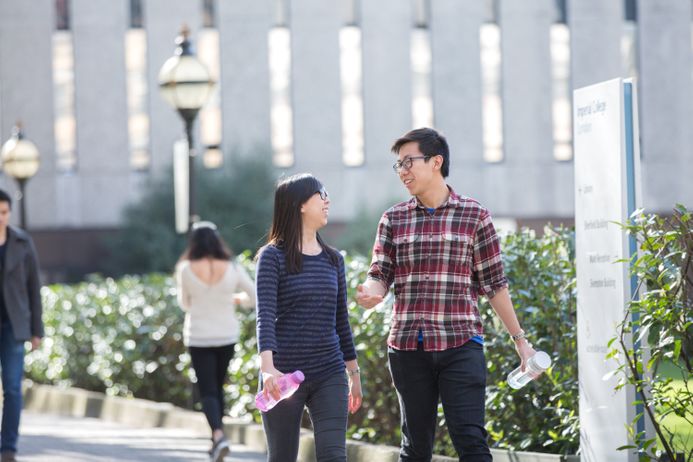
(206, 242)
(286, 231)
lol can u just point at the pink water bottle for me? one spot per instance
(288, 384)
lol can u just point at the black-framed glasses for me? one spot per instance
(406, 163)
(323, 193)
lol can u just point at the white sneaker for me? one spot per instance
(220, 450)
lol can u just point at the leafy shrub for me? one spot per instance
(662, 318)
(120, 337)
(541, 416)
(124, 337)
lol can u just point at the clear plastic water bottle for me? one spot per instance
(287, 383)
(534, 368)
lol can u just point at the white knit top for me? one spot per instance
(210, 311)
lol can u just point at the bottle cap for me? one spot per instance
(542, 360)
(299, 377)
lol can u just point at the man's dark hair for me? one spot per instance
(4, 197)
(431, 143)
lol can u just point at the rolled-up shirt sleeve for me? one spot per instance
(382, 263)
(488, 263)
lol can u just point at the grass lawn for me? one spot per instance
(683, 431)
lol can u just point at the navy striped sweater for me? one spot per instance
(302, 318)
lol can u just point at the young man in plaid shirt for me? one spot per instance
(441, 251)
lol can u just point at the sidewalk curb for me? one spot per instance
(75, 402)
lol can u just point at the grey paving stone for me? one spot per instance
(54, 438)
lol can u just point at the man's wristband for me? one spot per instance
(519, 335)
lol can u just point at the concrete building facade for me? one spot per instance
(496, 76)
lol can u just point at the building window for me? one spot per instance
(352, 95)
(422, 101)
(212, 158)
(209, 14)
(561, 12)
(210, 115)
(281, 113)
(492, 105)
(491, 11)
(629, 49)
(137, 90)
(420, 57)
(630, 10)
(561, 104)
(136, 15)
(65, 127)
(62, 15)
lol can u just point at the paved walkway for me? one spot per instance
(67, 439)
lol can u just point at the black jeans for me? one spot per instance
(458, 377)
(327, 404)
(211, 366)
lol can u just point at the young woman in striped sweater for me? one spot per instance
(303, 324)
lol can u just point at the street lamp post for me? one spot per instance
(20, 160)
(186, 84)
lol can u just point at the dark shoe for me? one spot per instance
(8, 456)
(220, 450)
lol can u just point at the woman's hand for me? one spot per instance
(355, 392)
(269, 383)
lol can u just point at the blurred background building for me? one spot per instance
(325, 87)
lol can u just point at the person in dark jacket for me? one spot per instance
(20, 320)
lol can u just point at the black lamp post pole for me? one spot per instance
(22, 202)
(185, 84)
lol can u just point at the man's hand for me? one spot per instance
(366, 297)
(524, 350)
(35, 343)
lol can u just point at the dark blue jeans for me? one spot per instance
(458, 377)
(327, 402)
(12, 364)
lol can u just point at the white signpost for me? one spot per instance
(606, 192)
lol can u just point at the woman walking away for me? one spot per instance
(208, 291)
(303, 324)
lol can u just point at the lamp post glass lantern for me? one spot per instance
(20, 160)
(186, 84)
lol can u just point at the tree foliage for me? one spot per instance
(124, 337)
(660, 320)
(237, 198)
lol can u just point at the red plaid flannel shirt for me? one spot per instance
(439, 264)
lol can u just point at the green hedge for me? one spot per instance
(124, 337)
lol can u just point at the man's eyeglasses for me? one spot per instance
(323, 193)
(406, 163)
